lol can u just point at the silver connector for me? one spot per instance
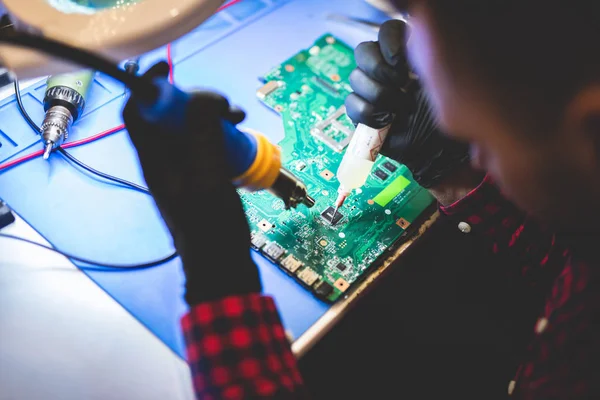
(55, 128)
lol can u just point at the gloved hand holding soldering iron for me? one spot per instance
(188, 173)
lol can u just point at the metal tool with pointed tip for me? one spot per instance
(64, 103)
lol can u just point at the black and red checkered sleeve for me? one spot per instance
(529, 247)
(237, 349)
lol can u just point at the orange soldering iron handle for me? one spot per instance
(266, 172)
(265, 168)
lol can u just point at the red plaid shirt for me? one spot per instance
(562, 360)
(237, 347)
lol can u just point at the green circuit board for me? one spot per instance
(308, 91)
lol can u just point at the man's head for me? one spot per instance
(520, 81)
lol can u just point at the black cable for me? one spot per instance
(68, 155)
(104, 266)
(22, 110)
(80, 164)
(141, 86)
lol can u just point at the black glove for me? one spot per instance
(384, 92)
(188, 175)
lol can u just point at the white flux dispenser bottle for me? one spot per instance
(358, 161)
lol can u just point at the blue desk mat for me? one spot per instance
(86, 216)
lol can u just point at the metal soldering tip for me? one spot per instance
(309, 201)
(47, 150)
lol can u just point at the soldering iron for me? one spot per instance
(255, 162)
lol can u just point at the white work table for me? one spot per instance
(63, 337)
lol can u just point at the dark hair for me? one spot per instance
(534, 54)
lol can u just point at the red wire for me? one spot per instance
(21, 160)
(170, 61)
(75, 143)
(93, 137)
(224, 6)
(108, 132)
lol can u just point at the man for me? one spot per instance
(519, 83)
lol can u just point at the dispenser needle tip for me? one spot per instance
(339, 201)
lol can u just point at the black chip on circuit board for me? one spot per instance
(389, 166)
(381, 175)
(328, 215)
(341, 267)
(323, 289)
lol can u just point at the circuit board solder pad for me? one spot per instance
(308, 91)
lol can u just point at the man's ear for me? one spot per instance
(582, 119)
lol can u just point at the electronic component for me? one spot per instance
(341, 267)
(291, 263)
(381, 175)
(323, 289)
(326, 85)
(327, 174)
(392, 190)
(6, 216)
(267, 89)
(265, 225)
(305, 233)
(273, 251)
(332, 216)
(308, 276)
(333, 132)
(389, 166)
(402, 223)
(258, 241)
(300, 166)
(341, 284)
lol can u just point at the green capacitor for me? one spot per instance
(79, 81)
